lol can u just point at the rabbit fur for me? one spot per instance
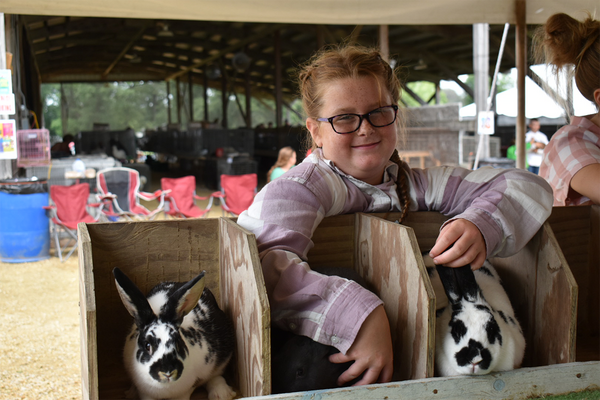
(180, 340)
(476, 329)
(299, 363)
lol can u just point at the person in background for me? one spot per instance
(537, 142)
(571, 162)
(511, 152)
(285, 160)
(351, 96)
(62, 149)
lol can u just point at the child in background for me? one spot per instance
(351, 97)
(571, 160)
(286, 159)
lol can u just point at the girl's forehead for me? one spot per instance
(352, 92)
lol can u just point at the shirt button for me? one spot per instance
(292, 326)
(335, 339)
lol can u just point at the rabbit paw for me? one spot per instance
(218, 389)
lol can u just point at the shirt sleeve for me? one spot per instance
(508, 206)
(569, 151)
(328, 309)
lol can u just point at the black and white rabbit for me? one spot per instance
(476, 331)
(180, 339)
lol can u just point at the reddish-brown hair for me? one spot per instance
(564, 41)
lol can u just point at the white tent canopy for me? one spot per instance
(392, 12)
(538, 104)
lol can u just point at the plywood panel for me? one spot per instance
(245, 300)
(149, 253)
(87, 316)
(388, 257)
(333, 242)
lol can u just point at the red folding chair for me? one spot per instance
(69, 206)
(180, 196)
(237, 192)
(119, 190)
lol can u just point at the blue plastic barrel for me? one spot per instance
(24, 229)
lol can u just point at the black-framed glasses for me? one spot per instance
(348, 123)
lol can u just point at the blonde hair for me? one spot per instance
(352, 61)
(565, 42)
(285, 153)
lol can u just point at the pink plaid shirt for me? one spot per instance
(573, 147)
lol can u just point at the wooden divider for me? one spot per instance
(577, 230)
(544, 295)
(244, 299)
(388, 257)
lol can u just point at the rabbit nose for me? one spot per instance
(168, 375)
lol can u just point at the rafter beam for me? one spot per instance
(267, 31)
(125, 50)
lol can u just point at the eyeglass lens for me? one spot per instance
(350, 122)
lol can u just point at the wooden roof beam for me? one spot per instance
(125, 50)
(265, 32)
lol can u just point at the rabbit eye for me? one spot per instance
(148, 347)
(299, 372)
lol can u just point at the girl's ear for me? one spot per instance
(313, 127)
(597, 97)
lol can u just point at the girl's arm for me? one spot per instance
(586, 182)
(495, 212)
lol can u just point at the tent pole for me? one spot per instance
(481, 57)
(521, 58)
(177, 91)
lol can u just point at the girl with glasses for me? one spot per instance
(351, 96)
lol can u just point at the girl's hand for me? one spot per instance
(371, 352)
(459, 243)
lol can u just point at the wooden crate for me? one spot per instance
(538, 280)
(387, 256)
(385, 253)
(577, 230)
(151, 252)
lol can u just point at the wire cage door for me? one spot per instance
(33, 147)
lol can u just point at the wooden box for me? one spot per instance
(386, 253)
(577, 230)
(177, 250)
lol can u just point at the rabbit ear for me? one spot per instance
(450, 284)
(185, 298)
(467, 283)
(133, 299)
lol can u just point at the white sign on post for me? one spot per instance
(485, 123)
(7, 98)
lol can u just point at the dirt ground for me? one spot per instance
(39, 326)
(39, 330)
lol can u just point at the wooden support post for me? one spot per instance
(224, 97)
(248, 98)
(178, 92)
(384, 42)
(521, 58)
(278, 82)
(205, 89)
(169, 102)
(191, 95)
